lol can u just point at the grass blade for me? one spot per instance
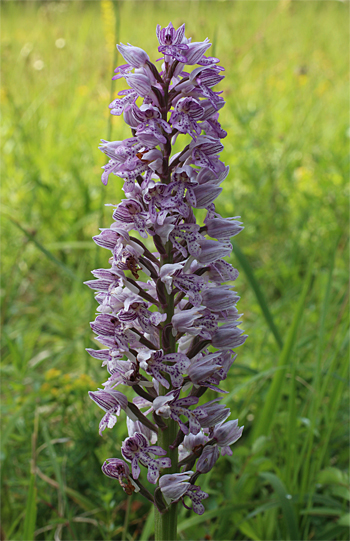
(292, 433)
(56, 467)
(148, 528)
(261, 509)
(263, 424)
(287, 508)
(248, 383)
(317, 397)
(194, 521)
(321, 511)
(258, 293)
(48, 254)
(31, 509)
(11, 425)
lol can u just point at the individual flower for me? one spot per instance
(207, 460)
(170, 406)
(171, 42)
(112, 402)
(228, 336)
(202, 367)
(137, 426)
(226, 434)
(176, 486)
(135, 57)
(223, 228)
(187, 111)
(155, 363)
(136, 450)
(118, 469)
(192, 444)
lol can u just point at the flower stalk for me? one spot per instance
(167, 315)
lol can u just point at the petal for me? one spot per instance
(153, 472)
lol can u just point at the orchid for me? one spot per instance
(167, 315)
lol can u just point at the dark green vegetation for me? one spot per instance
(286, 91)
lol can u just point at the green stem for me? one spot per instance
(166, 524)
(126, 519)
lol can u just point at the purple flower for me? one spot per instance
(171, 42)
(191, 444)
(118, 469)
(212, 250)
(207, 459)
(212, 127)
(196, 495)
(215, 413)
(170, 406)
(124, 373)
(140, 83)
(118, 106)
(176, 486)
(195, 321)
(226, 434)
(190, 284)
(136, 450)
(223, 228)
(156, 363)
(137, 426)
(205, 195)
(185, 114)
(219, 298)
(205, 78)
(228, 336)
(134, 56)
(154, 197)
(196, 50)
(181, 187)
(203, 367)
(107, 280)
(206, 175)
(111, 402)
(130, 214)
(108, 238)
(189, 233)
(221, 271)
(126, 159)
(160, 308)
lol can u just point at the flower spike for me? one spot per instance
(167, 316)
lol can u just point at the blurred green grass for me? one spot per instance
(286, 90)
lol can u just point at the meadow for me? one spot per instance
(286, 89)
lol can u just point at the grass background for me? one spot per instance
(286, 89)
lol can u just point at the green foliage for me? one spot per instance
(286, 93)
(30, 515)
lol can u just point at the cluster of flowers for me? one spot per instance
(157, 331)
